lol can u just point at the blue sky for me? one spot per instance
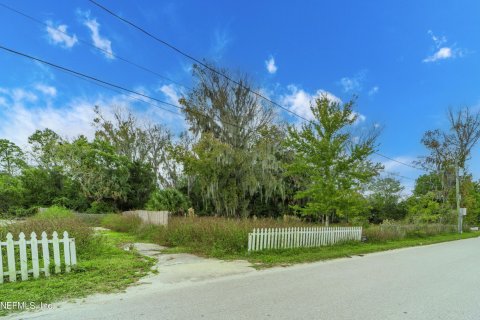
(408, 61)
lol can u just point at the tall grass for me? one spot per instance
(55, 219)
(220, 236)
(398, 231)
(204, 235)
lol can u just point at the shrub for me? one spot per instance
(170, 200)
(122, 223)
(55, 212)
(101, 207)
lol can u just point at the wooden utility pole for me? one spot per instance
(458, 196)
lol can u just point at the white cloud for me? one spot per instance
(46, 89)
(350, 84)
(271, 66)
(374, 90)
(298, 100)
(171, 92)
(221, 41)
(19, 95)
(353, 84)
(99, 41)
(442, 52)
(59, 35)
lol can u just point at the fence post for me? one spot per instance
(73, 252)
(34, 250)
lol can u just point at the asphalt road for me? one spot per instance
(433, 282)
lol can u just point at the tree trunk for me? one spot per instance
(327, 222)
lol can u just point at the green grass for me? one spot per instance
(106, 269)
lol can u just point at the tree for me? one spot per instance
(426, 208)
(11, 194)
(448, 149)
(12, 158)
(100, 172)
(385, 199)
(336, 165)
(141, 142)
(45, 144)
(141, 183)
(232, 160)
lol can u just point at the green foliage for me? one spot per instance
(101, 207)
(170, 200)
(385, 200)
(427, 208)
(55, 212)
(426, 183)
(232, 160)
(141, 183)
(11, 195)
(101, 173)
(45, 144)
(328, 162)
(12, 158)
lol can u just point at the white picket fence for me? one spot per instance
(30, 260)
(282, 238)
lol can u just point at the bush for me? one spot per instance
(122, 223)
(101, 207)
(55, 212)
(170, 200)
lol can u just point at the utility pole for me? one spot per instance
(457, 187)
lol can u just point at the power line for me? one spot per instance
(25, 15)
(189, 56)
(104, 83)
(400, 162)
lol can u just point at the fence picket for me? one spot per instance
(73, 252)
(12, 271)
(56, 251)
(46, 254)
(34, 251)
(66, 251)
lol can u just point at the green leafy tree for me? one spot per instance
(427, 208)
(45, 144)
(140, 141)
(100, 172)
(12, 158)
(385, 199)
(336, 167)
(141, 183)
(11, 194)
